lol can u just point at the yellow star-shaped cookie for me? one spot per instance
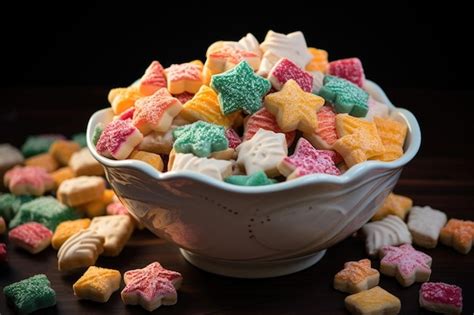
(394, 204)
(294, 108)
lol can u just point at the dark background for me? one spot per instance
(70, 56)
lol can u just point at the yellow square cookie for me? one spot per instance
(97, 284)
(67, 229)
(375, 301)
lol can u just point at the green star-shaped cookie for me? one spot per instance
(256, 179)
(240, 88)
(346, 96)
(200, 138)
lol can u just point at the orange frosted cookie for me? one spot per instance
(45, 161)
(325, 134)
(62, 150)
(393, 135)
(122, 99)
(347, 124)
(153, 79)
(394, 204)
(185, 77)
(97, 284)
(374, 302)
(67, 229)
(458, 234)
(356, 276)
(319, 61)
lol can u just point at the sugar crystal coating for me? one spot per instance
(200, 138)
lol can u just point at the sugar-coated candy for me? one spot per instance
(116, 229)
(389, 231)
(345, 96)
(151, 287)
(240, 89)
(35, 145)
(80, 250)
(62, 150)
(263, 152)
(458, 234)
(3, 225)
(285, 70)
(406, 264)
(28, 180)
(118, 139)
(356, 276)
(32, 236)
(394, 205)
(319, 61)
(44, 160)
(97, 284)
(256, 179)
(425, 225)
(350, 69)
(325, 134)
(153, 79)
(80, 138)
(150, 158)
(393, 134)
(156, 112)
(294, 108)
(347, 124)
(30, 294)
(233, 138)
(66, 229)
(3, 252)
(200, 138)
(83, 163)
(263, 119)
(45, 210)
(122, 99)
(185, 77)
(98, 129)
(60, 175)
(375, 301)
(9, 157)
(79, 190)
(307, 160)
(218, 169)
(224, 57)
(10, 204)
(441, 297)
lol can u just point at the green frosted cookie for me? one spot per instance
(35, 145)
(45, 210)
(240, 88)
(99, 128)
(200, 138)
(10, 204)
(346, 96)
(80, 138)
(256, 179)
(30, 294)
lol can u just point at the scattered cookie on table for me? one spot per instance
(10, 205)
(60, 175)
(83, 163)
(67, 229)
(80, 138)
(356, 276)
(97, 284)
(116, 229)
(80, 250)
(394, 205)
(80, 190)
(28, 180)
(30, 294)
(373, 301)
(44, 160)
(62, 150)
(458, 234)
(32, 236)
(39, 144)
(151, 287)
(425, 225)
(441, 297)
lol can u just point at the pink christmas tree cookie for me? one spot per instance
(233, 138)
(156, 112)
(185, 77)
(31, 236)
(263, 119)
(405, 263)
(350, 69)
(151, 286)
(441, 297)
(118, 139)
(307, 160)
(285, 70)
(153, 79)
(28, 180)
(325, 133)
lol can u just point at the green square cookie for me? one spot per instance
(35, 145)
(10, 204)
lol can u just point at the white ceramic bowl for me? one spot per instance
(255, 232)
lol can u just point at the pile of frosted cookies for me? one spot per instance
(57, 196)
(252, 114)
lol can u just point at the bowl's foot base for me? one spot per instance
(254, 270)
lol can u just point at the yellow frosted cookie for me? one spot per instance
(122, 99)
(60, 175)
(394, 204)
(97, 284)
(393, 135)
(347, 124)
(185, 77)
(375, 301)
(149, 158)
(319, 61)
(62, 150)
(67, 229)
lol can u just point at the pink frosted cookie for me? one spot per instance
(350, 69)
(263, 119)
(405, 263)
(118, 139)
(28, 180)
(153, 79)
(156, 112)
(233, 138)
(307, 160)
(3, 252)
(185, 77)
(184, 97)
(151, 286)
(32, 236)
(285, 70)
(441, 297)
(325, 133)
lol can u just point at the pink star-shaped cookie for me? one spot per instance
(156, 112)
(185, 77)
(153, 79)
(28, 180)
(118, 139)
(151, 286)
(307, 160)
(227, 57)
(406, 264)
(285, 70)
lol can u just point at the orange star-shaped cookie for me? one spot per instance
(394, 204)
(122, 99)
(226, 57)
(185, 77)
(458, 234)
(294, 108)
(356, 276)
(393, 135)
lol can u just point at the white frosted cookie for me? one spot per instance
(389, 231)
(116, 229)
(250, 43)
(80, 190)
(425, 225)
(263, 152)
(219, 169)
(80, 250)
(318, 78)
(83, 164)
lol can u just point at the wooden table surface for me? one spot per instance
(445, 183)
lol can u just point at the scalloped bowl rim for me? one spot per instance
(350, 175)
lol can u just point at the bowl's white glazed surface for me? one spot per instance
(255, 231)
